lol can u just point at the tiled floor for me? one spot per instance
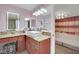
(64, 50)
(23, 52)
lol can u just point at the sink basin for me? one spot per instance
(34, 32)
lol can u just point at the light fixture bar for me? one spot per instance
(39, 12)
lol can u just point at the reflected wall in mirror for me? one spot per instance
(27, 22)
(12, 21)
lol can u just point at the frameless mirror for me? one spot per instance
(12, 21)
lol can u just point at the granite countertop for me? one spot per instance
(36, 36)
(10, 35)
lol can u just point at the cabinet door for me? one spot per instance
(28, 47)
(21, 43)
(28, 44)
(45, 46)
(34, 47)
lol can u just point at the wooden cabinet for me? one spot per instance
(20, 43)
(35, 47)
(31, 45)
(7, 40)
(28, 44)
(45, 46)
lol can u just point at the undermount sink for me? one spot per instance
(34, 32)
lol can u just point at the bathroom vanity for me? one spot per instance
(34, 43)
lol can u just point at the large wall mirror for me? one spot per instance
(12, 21)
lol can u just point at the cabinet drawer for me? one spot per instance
(8, 40)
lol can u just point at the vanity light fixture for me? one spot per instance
(40, 11)
(36, 13)
(61, 14)
(44, 10)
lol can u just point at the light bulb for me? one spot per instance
(26, 19)
(44, 10)
(40, 12)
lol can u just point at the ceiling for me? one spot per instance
(68, 9)
(29, 7)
